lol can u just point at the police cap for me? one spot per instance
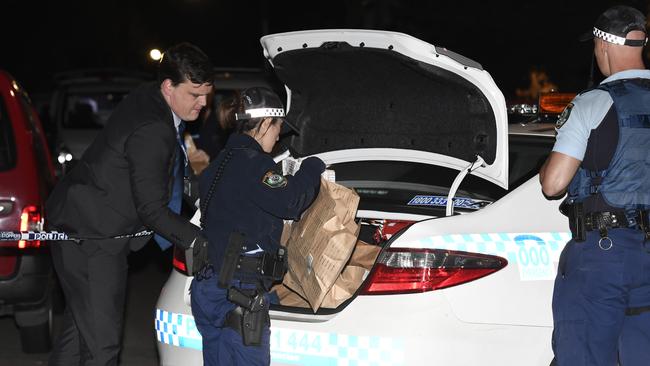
(615, 23)
(262, 102)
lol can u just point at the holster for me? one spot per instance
(250, 316)
(575, 213)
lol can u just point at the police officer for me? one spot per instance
(244, 199)
(601, 300)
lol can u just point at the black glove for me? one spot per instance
(199, 254)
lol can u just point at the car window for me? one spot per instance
(394, 184)
(7, 142)
(527, 154)
(90, 110)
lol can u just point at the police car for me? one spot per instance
(421, 133)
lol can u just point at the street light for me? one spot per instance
(155, 54)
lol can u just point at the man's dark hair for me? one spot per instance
(183, 62)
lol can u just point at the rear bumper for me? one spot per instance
(413, 329)
(30, 285)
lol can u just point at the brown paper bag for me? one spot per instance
(354, 273)
(321, 243)
(360, 263)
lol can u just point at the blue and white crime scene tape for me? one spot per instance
(32, 235)
(58, 236)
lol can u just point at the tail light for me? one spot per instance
(179, 260)
(405, 270)
(30, 220)
(554, 103)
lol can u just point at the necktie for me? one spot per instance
(180, 170)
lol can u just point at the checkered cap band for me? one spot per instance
(611, 38)
(261, 112)
(608, 37)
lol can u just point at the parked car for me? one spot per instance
(26, 178)
(547, 108)
(421, 134)
(81, 104)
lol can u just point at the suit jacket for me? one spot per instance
(123, 182)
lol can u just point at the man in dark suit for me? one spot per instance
(129, 180)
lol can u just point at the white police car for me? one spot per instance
(403, 123)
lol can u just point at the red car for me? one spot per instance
(26, 178)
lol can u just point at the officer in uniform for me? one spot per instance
(244, 199)
(601, 300)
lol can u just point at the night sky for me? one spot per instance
(507, 38)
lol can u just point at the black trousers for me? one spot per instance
(94, 284)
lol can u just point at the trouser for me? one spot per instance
(223, 345)
(94, 285)
(593, 289)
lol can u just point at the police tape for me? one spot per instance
(55, 235)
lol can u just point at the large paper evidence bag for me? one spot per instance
(321, 243)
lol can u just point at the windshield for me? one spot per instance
(90, 110)
(422, 189)
(7, 143)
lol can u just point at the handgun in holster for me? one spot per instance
(575, 212)
(254, 314)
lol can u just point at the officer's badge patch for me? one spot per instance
(274, 180)
(564, 116)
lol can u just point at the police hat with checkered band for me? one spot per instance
(615, 23)
(262, 102)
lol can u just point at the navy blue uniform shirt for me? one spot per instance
(253, 197)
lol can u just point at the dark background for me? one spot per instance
(508, 38)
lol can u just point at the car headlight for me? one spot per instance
(64, 156)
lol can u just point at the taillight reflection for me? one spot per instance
(179, 260)
(30, 220)
(405, 270)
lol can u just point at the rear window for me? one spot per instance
(90, 110)
(7, 142)
(422, 189)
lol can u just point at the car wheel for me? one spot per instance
(37, 338)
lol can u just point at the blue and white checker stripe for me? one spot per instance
(177, 330)
(296, 347)
(532, 253)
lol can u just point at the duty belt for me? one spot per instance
(580, 222)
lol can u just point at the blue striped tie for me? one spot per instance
(180, 170)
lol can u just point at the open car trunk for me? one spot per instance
(413, 116)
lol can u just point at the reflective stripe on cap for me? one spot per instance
(260, 112)
(611, 38)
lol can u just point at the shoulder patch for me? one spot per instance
(274, 180)
(564, 116)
